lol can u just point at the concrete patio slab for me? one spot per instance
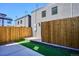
(34, 39)
(17, 50)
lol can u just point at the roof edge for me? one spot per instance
(22, 17)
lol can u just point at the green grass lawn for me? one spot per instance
(48, 50)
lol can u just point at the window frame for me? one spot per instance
(20, 21)
(54, 10)
(43, 13)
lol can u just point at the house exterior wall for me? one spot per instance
(25, 21)
(65, 10)
(5, 23)
(75, 9)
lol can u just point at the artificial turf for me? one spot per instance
(48, 50)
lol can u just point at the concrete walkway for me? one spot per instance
(34, 39)
(17, 50)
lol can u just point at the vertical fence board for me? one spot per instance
(45, 33)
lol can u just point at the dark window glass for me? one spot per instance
(44, 13)
(20, 21)
(54, 10)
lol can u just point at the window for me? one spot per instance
(44, 13)
(54, 10)
(20, 21)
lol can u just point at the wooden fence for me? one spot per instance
(62, 32)
(12, 34)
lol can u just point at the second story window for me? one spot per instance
(54, 10)
(44, 13)
(20, 21)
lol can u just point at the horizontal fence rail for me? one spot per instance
(12, 34)
(62, 32)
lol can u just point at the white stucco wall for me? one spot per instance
(75, 9)
(65, 10)
(24, 22)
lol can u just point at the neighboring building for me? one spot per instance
(4, 20)
(23, 21)
(52, 12)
